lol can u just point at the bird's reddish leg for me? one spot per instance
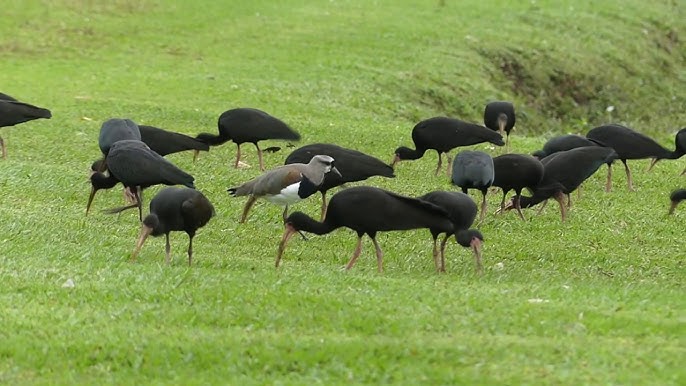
(379, 255)
(238, 156)
(246, 208)
(190, 250)
(652, 163)
(559, 196)
(440, 162)
(324, 207)
(628, 177)
(518, 206)
(356, 254)
(483, 207)
(436, 257)
(4, 150)
(287, 234)
(476, 248)
(443, 243)
(167, 251)
(259, 157)
(608, 184)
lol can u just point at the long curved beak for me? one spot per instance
(333, 169)
(476, 248)
(145, 232)
(502, 121)
(287, 234)
(395, 160)
(90, 199)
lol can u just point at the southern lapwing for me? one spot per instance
(286, 184)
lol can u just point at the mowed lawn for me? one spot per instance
(599, 299)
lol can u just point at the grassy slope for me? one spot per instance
(360, 74)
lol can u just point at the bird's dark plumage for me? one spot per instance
(369, 210)
(562, 143)
(473, 170)
(117, 129)
(676, 197)
(630, 144)
(564, 171)
(249, 125)
(352, 165)
(165, 142)
(13, 112)
(137, 167)
(500, 116)
(175, 209)
(516, 172)
(5, 97)
(461, 211)
(444, 134)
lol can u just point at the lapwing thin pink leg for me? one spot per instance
(246, 208)
(356, 254)
(238, 156)
(379, 255)
(167, 250)
(259, 156)
(559, 196)
(4, 149)
(628, 177)
(608, 183)
(443, 243)
(190, 251)
(324, 207)
(518, 206)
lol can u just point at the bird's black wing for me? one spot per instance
(140, 166)
(13, 113)
(165, 142)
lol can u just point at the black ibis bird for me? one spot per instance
(287, 184)
(137, 167)
(444, 134)
(516, 172)
(461, 211)
(352, 165)
(368, 210)
(473, 170)
(164, 142)
(243, 125)
(175, 209)
(676, 197)
(500, 116)
(564, 172)
(13, 112)
(562, 143)
(111, 131)
(630, 144)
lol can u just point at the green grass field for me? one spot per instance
(597, 300)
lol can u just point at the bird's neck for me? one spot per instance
(412, 154)
(310, 225)
(101, 181)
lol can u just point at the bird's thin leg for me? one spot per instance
(449, 169)
(324, 207)
(246, 208)
(190, 250)
(259, 157)
(507, 143)
(285, 214)
(356, 254)
(518, 206)
(559, 196)
(238, 155)
(379, 255)
(4, 149)
(129, 196)
(608, 184)
(440, 162)
(569, 200)
(502, 202)
(540, 210)
(139, 198)
(435, 254)
(443, 243)
(483, 206)
(167, 250)
(652, 163)
(628, 176)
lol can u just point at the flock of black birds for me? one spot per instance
(133, 155)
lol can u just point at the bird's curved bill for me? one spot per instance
(90, 199)
(476, 248)
(288, 232)
(334, 170)
(145, 232)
